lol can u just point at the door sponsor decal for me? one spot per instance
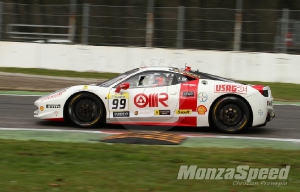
(183, 111)
(202, 97)
(118, 101)
(162, 112)
(201, 109)
(240, 89)
(188, 94)
(142, 113)
(141, 100)
(121, 114)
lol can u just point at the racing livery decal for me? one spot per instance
(191, 75)
(53, 95)
(52, 106)
(201, 109)
(183, 112)
(202, 97)
(121, 114)
(188, 94)
(188, 102)
(162, 112)
(240, 89)
(118, 101)
(141, 100)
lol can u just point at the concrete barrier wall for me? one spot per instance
(268, 67)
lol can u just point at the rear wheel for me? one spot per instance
(230, 114)
(85, 110)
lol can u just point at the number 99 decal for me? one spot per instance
(118, 102)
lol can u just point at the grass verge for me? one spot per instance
(61, 73)
(56, 166)
(280, 91)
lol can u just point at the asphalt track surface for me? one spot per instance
(17, 112)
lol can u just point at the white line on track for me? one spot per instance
(187, 135)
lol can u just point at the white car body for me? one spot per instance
(183, 104)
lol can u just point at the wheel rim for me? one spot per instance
(230, 115)
(86, 110)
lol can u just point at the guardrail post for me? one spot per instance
(1, 10)
(149, 24)
(180, 27)
(238, 26)
(72, 20)
(85, 23)
(284, 29)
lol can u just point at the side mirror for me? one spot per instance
(124, 86)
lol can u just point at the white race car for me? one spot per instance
(161, 96)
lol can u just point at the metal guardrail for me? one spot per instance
(258, 30)
(34, 35)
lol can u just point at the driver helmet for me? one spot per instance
(159, 79)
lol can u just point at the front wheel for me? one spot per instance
(230, 114)
(85, 110)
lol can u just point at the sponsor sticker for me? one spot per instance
(201, 109)
(42, 108)
(260, 112)
(53, 95)
(162, 112)
(188, 94)
(52, 106)
(202, 97)
(191, 75)
(191, 85)
(183, 112)
(118, 101)
(85, 87)
(239, 89)
(121, 114)
(142, 100)
(142, 113)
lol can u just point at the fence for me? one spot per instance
(167, 27)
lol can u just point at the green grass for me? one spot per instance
(63, 73)
(280, 91)
(56, 166)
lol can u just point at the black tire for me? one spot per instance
(230, 114)
(85, 110)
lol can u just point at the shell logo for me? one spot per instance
(42, 108)
(201, 109)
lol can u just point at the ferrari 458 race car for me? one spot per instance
(165, 96)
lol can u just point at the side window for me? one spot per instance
(151, 79)
(182, 79)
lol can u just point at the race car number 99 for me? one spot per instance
(118, 102)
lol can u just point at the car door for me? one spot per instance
(151, 97)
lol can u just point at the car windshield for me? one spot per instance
(109, 82)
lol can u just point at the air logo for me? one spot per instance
(142, 100)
